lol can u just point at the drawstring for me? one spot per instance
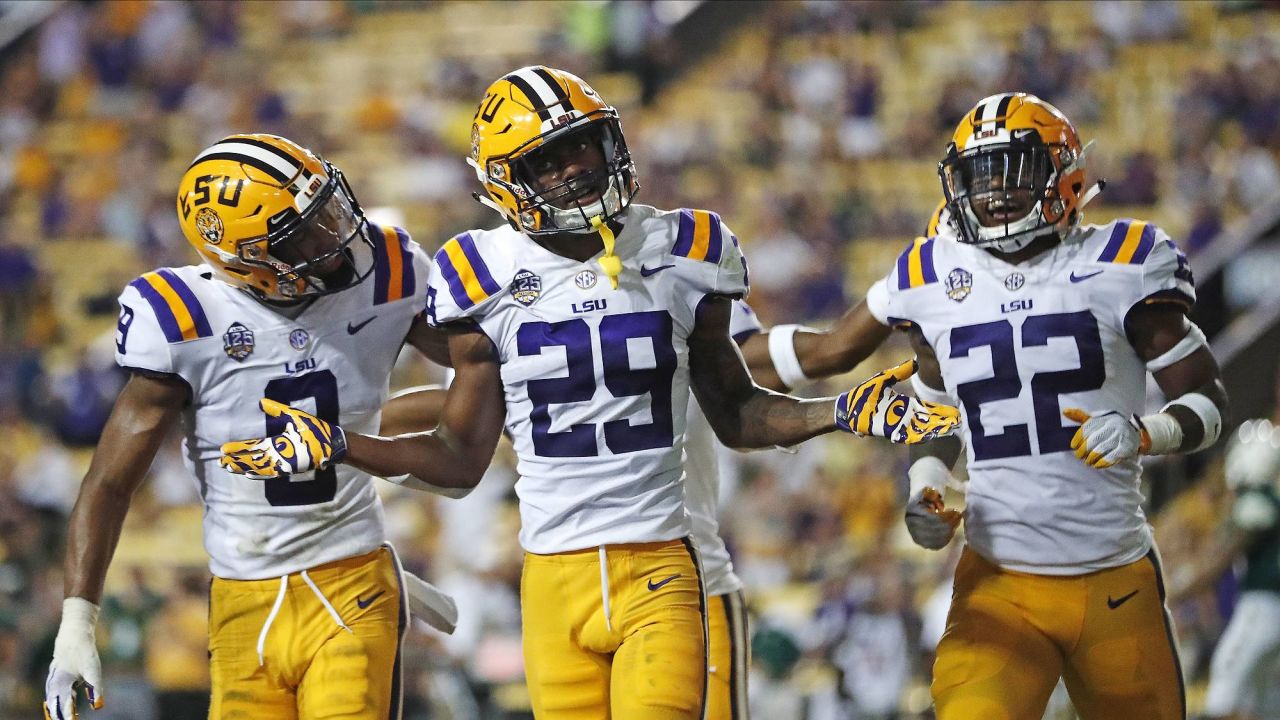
(610, 263)
(325, 601)
(275, 610)
(604, 587)
(271, 617)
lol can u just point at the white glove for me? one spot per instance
(930, 524)
(430, 605)
(1107, 438)
(75, 661)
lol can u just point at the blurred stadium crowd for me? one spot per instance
(813, 128)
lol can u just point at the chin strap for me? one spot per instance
(610, 263)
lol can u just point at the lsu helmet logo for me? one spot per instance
(959, 284)
(209, 225)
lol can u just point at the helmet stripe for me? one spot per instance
(556, 90)
(268, 162)
(539, 92)
(283, 155)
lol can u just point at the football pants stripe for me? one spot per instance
(702, 611)
(739, 654)
(1153, 556)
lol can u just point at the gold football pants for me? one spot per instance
(615, 632)
(324, 643)
(729, 650)
(1011, 635)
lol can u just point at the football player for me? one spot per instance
(728, 638)
(1042, 330)
(300, 299)
(1245, 662)
(581, 325)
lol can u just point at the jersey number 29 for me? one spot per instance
(621, 436)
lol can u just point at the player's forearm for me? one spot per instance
(92, 535)
(433, 457)
(767, 419)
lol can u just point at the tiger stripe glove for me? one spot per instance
(307, 443)
(873, 408)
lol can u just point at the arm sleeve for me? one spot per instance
(140, 341)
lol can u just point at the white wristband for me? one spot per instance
(1164, 431)
(1210, 417)
(928, 471)
(782, 352)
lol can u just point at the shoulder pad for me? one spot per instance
(394, 277)
(699, 236)
(177, 310)
(915, 265)
(465, 272)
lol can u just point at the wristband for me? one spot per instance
(782, 353)
(1210, 417)
(338, 441)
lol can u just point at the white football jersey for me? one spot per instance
(334, 360)
(702, 477)
(1016, 345)
(596, 379)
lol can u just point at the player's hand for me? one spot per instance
(873, 408)
(75, 662)
(306, 443)
(1107, 438)
(929, 522)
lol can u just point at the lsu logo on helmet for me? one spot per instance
(1014, 171)
(273, 218)
(527, 110)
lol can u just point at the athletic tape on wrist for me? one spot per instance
(928, 471)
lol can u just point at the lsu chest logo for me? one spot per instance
(526, 287)
(959, 284)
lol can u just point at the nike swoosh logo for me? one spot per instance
(366, 603)
(352, 329)
(655, 585)
(646, 272)
(1113, 604)
(1081, 278)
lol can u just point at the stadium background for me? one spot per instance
(813, 128)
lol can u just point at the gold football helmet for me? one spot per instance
(273, 218)
(528, 116)
(1014, 171)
